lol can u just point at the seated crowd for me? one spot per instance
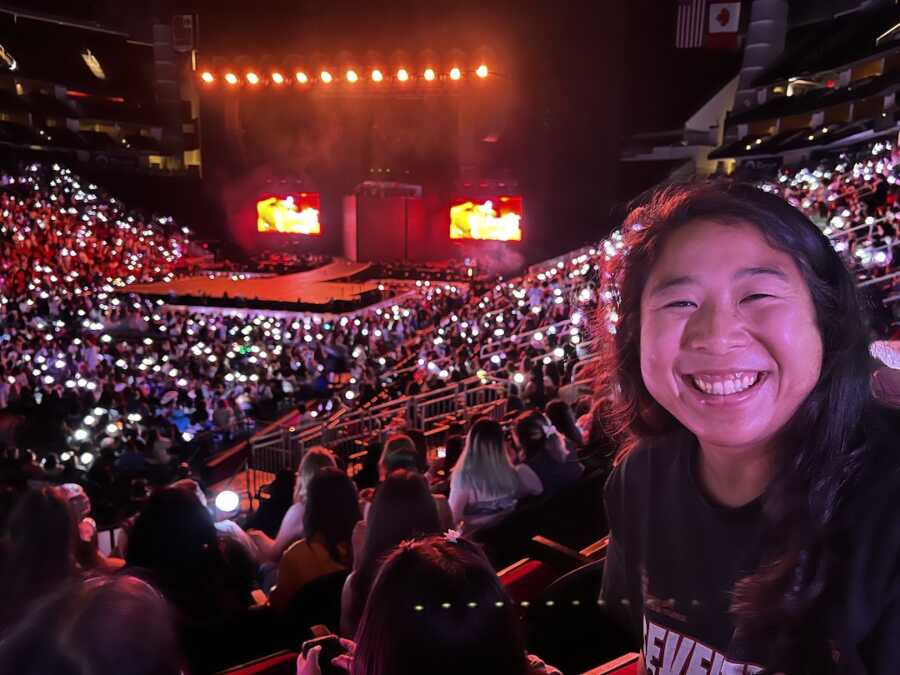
(209, 569)
(105, 397)
(104, 388)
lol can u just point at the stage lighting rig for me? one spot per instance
(275, 76)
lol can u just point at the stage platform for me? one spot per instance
(315, 287)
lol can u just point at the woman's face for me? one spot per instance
(729, 341)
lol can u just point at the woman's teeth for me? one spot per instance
(725, 386)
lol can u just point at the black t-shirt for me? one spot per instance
(674, 557)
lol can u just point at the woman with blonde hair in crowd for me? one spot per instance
(291, 529)
(485, 484)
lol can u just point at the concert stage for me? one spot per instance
(321, 286)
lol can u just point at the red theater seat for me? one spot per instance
(280, 663)
(624, 665)
(526, 579)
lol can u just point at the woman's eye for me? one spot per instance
(680, 304)
(756, 296)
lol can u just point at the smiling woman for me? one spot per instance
(731, 350)
(753, 453)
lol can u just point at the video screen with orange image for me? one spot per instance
(293, 214)
(493, 218)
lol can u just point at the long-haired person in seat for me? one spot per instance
(403, 509)
(332, 511)
(545, 451)
(103, 626)
(291, 529)
(37, 552)
(485, 485)
(436, 607)
(755, 507)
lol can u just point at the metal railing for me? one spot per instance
(283, 448)
(881, 279)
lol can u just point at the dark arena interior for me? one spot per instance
(609, 288)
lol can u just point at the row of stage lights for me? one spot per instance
(278, 78)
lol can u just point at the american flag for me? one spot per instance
(691, 23)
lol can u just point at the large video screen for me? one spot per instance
(294, 214)
(494, 218)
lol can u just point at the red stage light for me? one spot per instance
(231, 78)
(277, 78)
(428, 74)
(402, 75)
(481, 71)
(207, 77)
(302, 77)
(326, 77)
(252, 78)
(352, 76)
(455, 73)
(377, 76)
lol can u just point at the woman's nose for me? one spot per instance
(715, 328)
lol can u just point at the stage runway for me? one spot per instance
(319, 286)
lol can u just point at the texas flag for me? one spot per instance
(724, 23)
(724, 17)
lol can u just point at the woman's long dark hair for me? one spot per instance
(42, 536)
(174, 542)
(821, 453)
(530, 434)
(438, 607)
(107, 625)
(332, 511)
(403, 509)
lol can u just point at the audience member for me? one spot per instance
(403, 509)
(103, 626)
(175, 544)
(331, 512)
(545, 451)
(562, 417)
(291, 529)
(485, 484)
(436, 607)
(755, 456)
(38, 553)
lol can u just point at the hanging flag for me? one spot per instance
(724, 17)
(723, 25)
(183, 32)
(690, 24)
